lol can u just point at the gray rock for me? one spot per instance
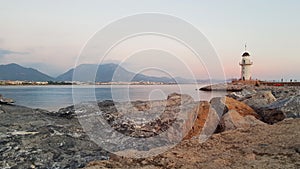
(281, 109)
(139, 125)
(67, 112)
(30, 137)
(285, 92)
(259, 99)
(6, 100)
(68, 138)
(210, 125)
(242, 95)
(271, 116)
(218, 104)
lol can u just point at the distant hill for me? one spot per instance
(85, 73)
(16, 72)
(106, 73)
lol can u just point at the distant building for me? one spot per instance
(246, 65)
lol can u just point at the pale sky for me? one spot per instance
(50, 34)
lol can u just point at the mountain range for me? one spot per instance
(107, 73)
(16, 72)
(84, 73)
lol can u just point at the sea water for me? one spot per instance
(54, 97)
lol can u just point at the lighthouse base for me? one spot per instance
(246, 82)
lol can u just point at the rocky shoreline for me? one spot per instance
(33, 138)
(256, 127)
(261, 146)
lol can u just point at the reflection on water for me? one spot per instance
(55, 97)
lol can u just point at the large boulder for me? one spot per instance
(240, 107)
(206, 122)
(218, 103)
(281, 109)
(254, 99)
(233, 120)
(271, 116)
(260, 99)
(224, 104)
(240, 114)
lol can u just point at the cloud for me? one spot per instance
(4, 52)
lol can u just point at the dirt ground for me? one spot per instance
(262, 146)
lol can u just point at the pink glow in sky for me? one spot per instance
(49, 35)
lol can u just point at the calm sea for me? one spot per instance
(55, 97)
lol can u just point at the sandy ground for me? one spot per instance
(262, 146)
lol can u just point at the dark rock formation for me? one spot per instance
(33, 139)
(69, 138)
(281, 109)
(273, 104)
(67, 112)
(6, 100)
(222, 87)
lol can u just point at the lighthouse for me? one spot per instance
(246, 65)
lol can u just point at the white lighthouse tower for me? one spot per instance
(246, 65)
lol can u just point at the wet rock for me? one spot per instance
(4, 100)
